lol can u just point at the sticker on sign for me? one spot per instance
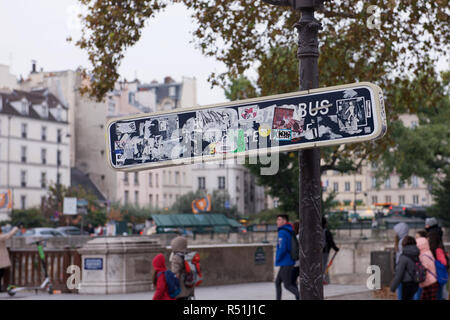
(306, 119)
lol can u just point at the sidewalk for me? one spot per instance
(246, 291)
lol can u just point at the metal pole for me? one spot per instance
(311, 233)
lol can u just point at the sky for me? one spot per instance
(38, 30)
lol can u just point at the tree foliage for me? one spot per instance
(239, 32)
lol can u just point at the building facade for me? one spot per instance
(232, 178)
(365, 188)
(34, 146)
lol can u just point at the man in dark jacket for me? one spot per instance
(327, 245)
(405, 269)
(283, 257)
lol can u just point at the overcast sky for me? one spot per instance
(38, 30)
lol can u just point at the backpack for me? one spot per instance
(420, 272)
(294, 247)
(193, 275)
(441, 271)
(173, 284)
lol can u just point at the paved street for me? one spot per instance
(247, 291)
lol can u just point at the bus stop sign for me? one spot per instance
(287, 122)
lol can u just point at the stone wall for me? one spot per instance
(232, 264)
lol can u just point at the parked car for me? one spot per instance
(71, 231)
(43, 233)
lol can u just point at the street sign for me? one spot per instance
(287, 122)
(70, 205)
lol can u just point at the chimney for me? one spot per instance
(33, 66)
(168, 80)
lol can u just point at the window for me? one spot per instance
(131, 98)
(111, 107)
(24, 107)
(165, 200)
(170, 177)
(221, 183)
(59, 135)
(44, 156)
(164, 177)
(387, 183)
(374, 182)
(43, 180)
(23, 202)
(42, 201)
(58, 157)
(415, 181)
(136, 198)
(156, 182)
(44, 133)
(125, 178)
(201, 183)
(23, 154)
(23, 178)
(150, 200)
(59, 113)
(237, 184)
(58, 178)
(177, 177)
(415, 199)
(136, 178)
(126, 196)
(347, 186)
(401, 184)
(401, 199)
(157, 201)
(171, 91)
(374, 199)
(387, 198)
(358, 186)
(150, 178)
(24, 130)
(44, 110)
(335, 186)
(184, 178)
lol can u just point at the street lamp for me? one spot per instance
(311, 233)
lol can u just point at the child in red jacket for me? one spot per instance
(159, 279)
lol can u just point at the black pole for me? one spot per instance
(310, 231)
(311, 234)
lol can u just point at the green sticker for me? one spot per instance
(240, 141)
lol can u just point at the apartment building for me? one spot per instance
(34, 145)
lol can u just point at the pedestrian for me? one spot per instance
(438, 251)
(296, 271)
(401, 231)
(327, 246)
(159, 278)
(179, 249)
(431, 226)
(283, 257)
(419, 234)
(430, 286)
(5, 262)
(405, 269)
(91, 230)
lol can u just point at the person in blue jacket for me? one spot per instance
(283, 257)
